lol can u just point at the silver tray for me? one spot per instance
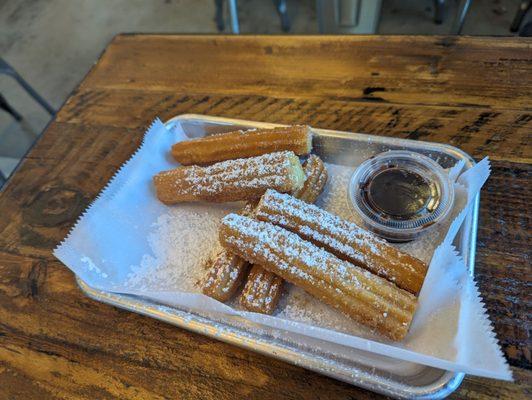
(380, 374)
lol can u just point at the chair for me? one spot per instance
(361, 16)
(459, 20)
(7, 69)
(280, 6)
(523, 9)
(458, 23)
(348, 16)
(4, 105)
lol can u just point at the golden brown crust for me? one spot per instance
(225, 275)
(263, 289)
(233, 180)
(316, 178)
(226, 271)
(243, 144)
(344, 239)
(365, 297)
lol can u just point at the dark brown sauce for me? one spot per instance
(400, 194)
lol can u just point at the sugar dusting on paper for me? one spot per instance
(186, 236)
(91, 266)
(181, 240)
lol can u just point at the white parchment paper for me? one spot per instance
(128, 242)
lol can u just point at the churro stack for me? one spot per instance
(279, 235)
(365, 297)
(343, 238)
(226, 271)
(263, 288)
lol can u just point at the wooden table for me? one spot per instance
(474, 93)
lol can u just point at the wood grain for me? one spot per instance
(473, 93)
(64, 343)
(488, 72)
(476, 130)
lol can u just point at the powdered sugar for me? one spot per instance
(113, 244)
(335, 200)
(92, 266)
(300, 306)
(269, 170)
(343, 238)
(334, 197)
(261, 291)
(186, 235)
(181, 241)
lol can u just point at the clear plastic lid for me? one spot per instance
(401, 194)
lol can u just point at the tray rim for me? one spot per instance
(447, 383)
(471, 222)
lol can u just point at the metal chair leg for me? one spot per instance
(4, 105)
(282, 9)
(439, 11)
(526, 30)
(7, 69)
(219, 16)
(520, 14)
(233, 12)
(458, 24)
(3, 179)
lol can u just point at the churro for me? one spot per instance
(343, 238)
(316, 178)
(242, 144)
(263, 288)
(365, 297)
(233, 180)
(262, 291)
(226, 271)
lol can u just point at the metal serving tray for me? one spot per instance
(380, 374)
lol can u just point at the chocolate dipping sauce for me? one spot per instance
(400, 194)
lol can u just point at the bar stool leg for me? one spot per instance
(219, 15)
(7, 69)
(458, 24)
(282, 9)
(233, 12)
(520, 14)
(439, 10)
(4, 105)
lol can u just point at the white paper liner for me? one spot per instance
(118, 239)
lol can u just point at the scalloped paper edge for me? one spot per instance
(114, 185)
(476, 301)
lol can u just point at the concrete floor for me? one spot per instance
(53, 43)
